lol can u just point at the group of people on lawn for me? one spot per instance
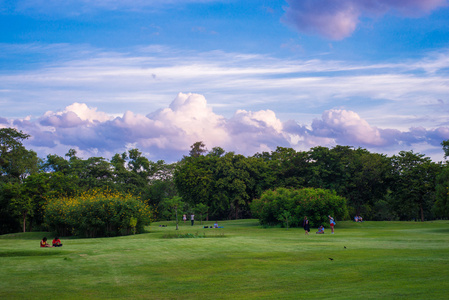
(56, 242)
(306, 226)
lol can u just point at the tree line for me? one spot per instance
(220, 184)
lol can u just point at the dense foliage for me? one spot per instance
(220, 185)
(97, 214)
(316, 204)
(225, 183)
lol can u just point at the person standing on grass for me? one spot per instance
(332, 223)
(184, 218)
(192, 218)
(306, 225)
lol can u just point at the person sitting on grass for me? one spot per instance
(44, 243)
(320, 230)
(56, 242)
(216, 225)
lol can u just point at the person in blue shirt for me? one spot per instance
(332, 223)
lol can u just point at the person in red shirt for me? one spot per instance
(56, 242)
(44, 243)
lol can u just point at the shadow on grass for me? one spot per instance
(191, 235)
(439, 230)
(20, 253)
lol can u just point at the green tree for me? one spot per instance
(445, 145)
(202, 209)
(161, 185)
(285, 217)
(21, 204)
(232, 181)
(16, 162)
(414, 185)
(172, 205)
(367, 177)
(56, 163)
(197, 149)
(442, 193)
(290, 169)
(40, 187)
(194, 180)
(316, 204)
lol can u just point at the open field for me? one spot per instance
(387, 260)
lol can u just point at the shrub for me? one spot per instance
(316, 204)
(184, 235)
(97, 213)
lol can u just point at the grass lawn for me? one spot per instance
(382, 260)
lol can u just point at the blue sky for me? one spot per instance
(105, 76)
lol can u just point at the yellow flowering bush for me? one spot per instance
(97, 213)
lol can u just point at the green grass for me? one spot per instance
(382, 260)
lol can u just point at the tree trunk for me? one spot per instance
(176, 211)
(24, 215)
(422, 212)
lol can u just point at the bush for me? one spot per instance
(96, 214)
(316, 204)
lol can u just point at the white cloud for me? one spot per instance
(347, 128)
(338, 19)
(116, 82)
(259, 119)
(168, 133)
(108, 97)
(76, 113)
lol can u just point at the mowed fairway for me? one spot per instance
(382, 260)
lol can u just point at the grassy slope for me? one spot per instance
(381, 260)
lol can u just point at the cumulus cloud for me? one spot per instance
(74, 115)
(338, 19)
(347, 128)
(168, 133)
(143, 81)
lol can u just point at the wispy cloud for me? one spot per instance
(146, 79)
(79, 7)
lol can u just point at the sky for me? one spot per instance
(106, 76)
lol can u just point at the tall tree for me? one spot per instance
(20, 202)
(194, 180)
(16, 162)
(414, 185)
(442, 188)
(197, 149)
(289, 168)
(445, 145)
(367, 178)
